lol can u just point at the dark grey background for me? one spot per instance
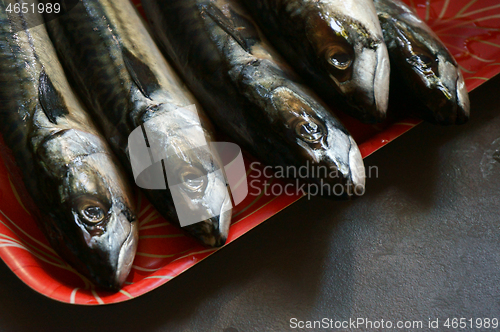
(423, 243)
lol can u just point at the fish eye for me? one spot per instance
(427, 60)
(339, 57)
(94, 214)
(91, 210)
(422, 56)
(193, 180)
(309, 130)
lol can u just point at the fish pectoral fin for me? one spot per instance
(141, 74)
(50, 99)
(226, 24)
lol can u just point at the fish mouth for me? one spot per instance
(346, 178)
(113, 253)
(357, 170)
(213, 232)
(381, 82)
(354, 177)
(447, 101)
(126, 256)
(368, 90)
(463, 111)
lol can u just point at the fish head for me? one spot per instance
(355, 58)
(433, 74)
(93, 211)
(202, 200)
(322, 143)
(195, 175)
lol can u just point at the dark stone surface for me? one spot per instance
(423, 243)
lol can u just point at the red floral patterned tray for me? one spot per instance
(470, 29)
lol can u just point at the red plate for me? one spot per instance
(470, 29)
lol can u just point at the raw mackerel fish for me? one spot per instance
(252, 95)
(336, 45)
(119, 70)
(429, 73)
(67, 175)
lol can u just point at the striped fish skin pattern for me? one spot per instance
(422, 63)
(336, 45)
(125, 80)
(68, 176)
(250, 93)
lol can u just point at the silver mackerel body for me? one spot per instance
(119, 70)
(336, 45)
(73, 184)
(251, 94)
(422, 62)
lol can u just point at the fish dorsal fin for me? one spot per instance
(141, 74)
(226, 24)
(50, 99)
